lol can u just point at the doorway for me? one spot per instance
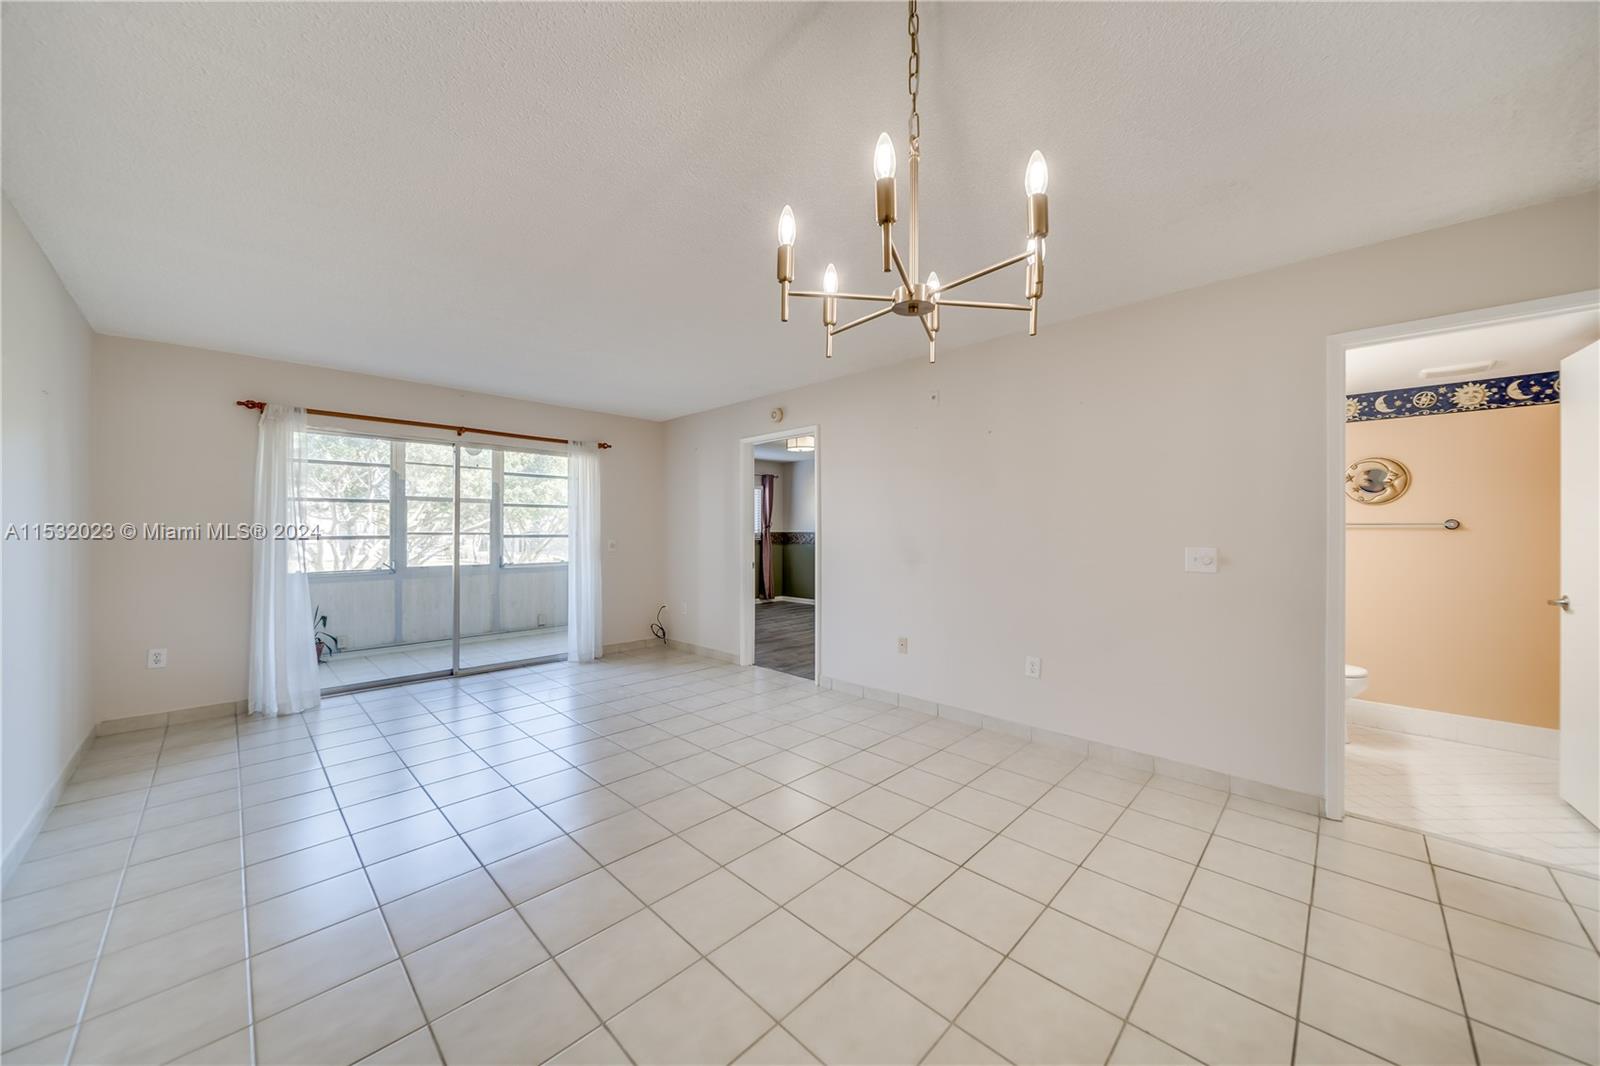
(1451, 697)
(433, 558)
(778, 570)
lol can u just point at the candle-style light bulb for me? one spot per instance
(1037, 177)
(786, 227)
(883, 157)
(933, 284)
(830, 280)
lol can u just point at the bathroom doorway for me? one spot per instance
(1461, 521)
(779, 571)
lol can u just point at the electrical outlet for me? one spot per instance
(1030, 667)
(155, 659)
(903, 645)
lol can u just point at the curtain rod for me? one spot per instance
(259, 405)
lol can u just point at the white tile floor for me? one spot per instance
(1497, 799)
(405, 660)
(661, 859)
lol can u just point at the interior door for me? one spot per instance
(1579, 597)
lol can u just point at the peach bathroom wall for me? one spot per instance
(1457, 621)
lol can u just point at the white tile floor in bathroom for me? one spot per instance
(663, 859)
(1498, 799)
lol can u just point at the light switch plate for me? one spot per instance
(1200, 560)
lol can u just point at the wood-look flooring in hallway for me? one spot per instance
(785, 637)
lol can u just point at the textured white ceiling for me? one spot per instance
(577, 203)
(1527, 346)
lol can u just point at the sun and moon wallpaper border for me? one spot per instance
(1488, 394)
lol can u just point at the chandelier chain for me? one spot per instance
(913, 75)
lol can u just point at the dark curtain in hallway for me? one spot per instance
(768, 483)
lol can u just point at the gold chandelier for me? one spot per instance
(916, 297)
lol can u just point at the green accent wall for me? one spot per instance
(799, 570)
(794, 571)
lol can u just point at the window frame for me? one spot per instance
(387, 568)
(398, 564)
(501, 505)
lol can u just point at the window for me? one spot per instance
(347, 500)
(533, 511)
(477, 500)
(430, 488)
(378, 503)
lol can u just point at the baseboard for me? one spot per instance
(704, 653)
(795, 599)
(1463, 728)
(161, 719)
(1304, 802)
(632, 645)
(19, 848)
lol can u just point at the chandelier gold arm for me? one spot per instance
(985, 272)
(863, 320)
(900, 266)
(811, 295)
(983, 304)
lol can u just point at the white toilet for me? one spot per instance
(1355, 683)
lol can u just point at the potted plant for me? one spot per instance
(327, 643)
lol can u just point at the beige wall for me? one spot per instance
(1457, 621)
(780, 491)
(44, 379)
(1199, 418)
(168, 445)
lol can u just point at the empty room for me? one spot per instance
(867, 533)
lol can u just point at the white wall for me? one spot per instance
(1058, 479)
(802, 503)
(44, 381)
(169, 445)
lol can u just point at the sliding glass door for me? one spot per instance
(434, 558)
(513, 550)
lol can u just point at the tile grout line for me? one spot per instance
(116, 895)
(1155, 956)
(1305, 945)
(377, 905)
(650, 907)
(244, 909)
(1455, 968)
(697, 784)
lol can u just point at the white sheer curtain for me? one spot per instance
(283, 655)
(584, 641)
